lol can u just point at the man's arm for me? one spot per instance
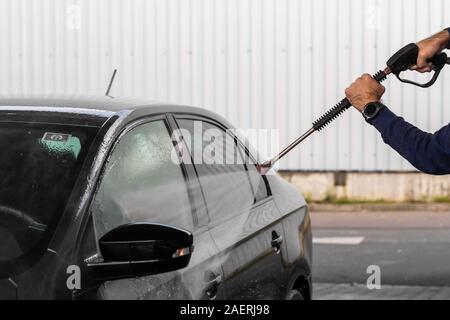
(429, 153)
(430, 47)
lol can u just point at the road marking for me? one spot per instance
(350, 241)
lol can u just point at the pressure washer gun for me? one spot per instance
(401, 61)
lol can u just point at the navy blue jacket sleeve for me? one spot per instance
(429, 153)
(448, 44)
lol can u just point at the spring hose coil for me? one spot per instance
(337, 110)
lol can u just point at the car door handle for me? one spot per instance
(212, 287)
(276, 242)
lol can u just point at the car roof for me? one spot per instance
(98, 106)
(96, 110)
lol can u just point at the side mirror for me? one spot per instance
(142, 249)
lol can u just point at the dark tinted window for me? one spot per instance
(221, 167)
(39, 165)
(141, 183)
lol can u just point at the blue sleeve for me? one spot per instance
(448, 44)
(429, 153)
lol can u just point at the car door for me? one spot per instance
(143, 181)
(245, 223)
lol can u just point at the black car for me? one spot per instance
(106, 199)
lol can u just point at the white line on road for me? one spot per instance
(350, 241)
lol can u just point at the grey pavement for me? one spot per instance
(412, 250)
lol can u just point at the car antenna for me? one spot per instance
(111, 83)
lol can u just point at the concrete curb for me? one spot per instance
(370, 187)
(435, 207)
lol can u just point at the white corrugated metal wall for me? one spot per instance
(260, 63)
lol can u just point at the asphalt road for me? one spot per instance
(412, 250)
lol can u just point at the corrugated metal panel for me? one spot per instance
(260, 63)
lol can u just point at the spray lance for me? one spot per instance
(401, 61)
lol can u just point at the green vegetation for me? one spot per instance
(308, 197)
(335, 200)
(346, 201)
(443, 199)
(332, 199)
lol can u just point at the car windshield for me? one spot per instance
(39, 164)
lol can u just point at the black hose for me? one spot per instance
(340, 108)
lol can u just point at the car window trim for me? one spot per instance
(175, 126)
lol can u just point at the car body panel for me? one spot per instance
(252, 268)
(297, 227)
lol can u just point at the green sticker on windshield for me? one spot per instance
(60, 143)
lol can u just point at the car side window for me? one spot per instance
(221, 169)
(141, 183)
(256, 179)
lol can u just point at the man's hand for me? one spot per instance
(363, 91)
(429, 47)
